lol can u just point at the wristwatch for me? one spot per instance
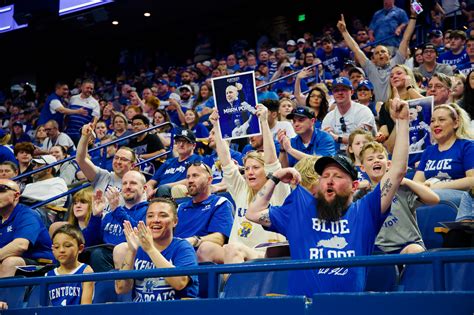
(339, 139)
(275, 179)
(198, 241)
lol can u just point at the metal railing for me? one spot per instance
(437, 259)
(89, 151)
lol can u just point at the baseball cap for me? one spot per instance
(344, 162)
(301, 41)
(162, 81)
(301, 111)
(365, 83)
(46, 160)
(17, 123)
(2, 133)
(186, 134)
(435, 33)
(342, 81)
(356, 69)
(186, 86)
(262, 64)
(428, 46)
(291, 43)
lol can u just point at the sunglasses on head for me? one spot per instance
(343, 124)
(4, 188)
(201, 164)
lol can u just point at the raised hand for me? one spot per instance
(341, 24)
(214, 117)
(131, 236)
(398, 108)
(288, 175)
(283, 139)
(145, 238)
(113, 196)
(98, 203)
(306, 72)
(262, 112)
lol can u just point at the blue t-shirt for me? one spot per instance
(321, 144)
(312, 238)
(454, 60)
(210, 160)
(25, 223)
(76, 121)
(62, 294)
(109, 230)
(173, 170)
(334, 62)
(181, 254)
(200, 131)
(46, 115)
(361, 175)
(450, 164)
(209, 216)
(385, 22)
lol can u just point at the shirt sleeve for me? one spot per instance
(27, 227)
(156, 177)
(325, 144)
(468, 153)
(280, 216)
(222, 218)
(185, 255)
(234, 180)
(54, 105)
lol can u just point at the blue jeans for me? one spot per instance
(462, 200)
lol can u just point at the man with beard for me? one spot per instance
(109, 229)
(84, 101)
(206, 220)
(332, 225)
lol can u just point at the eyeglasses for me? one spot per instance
(4, 188)
(121, 158)
(436, 86)
(343, 124)
(201, 164)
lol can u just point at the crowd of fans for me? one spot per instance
(330, 175)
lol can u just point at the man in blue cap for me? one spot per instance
(348, 115)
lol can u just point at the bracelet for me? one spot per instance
(198, 241)
(275, 179)
(412, 17)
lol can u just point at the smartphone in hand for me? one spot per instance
(416, 7)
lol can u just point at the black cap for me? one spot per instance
(435, 33)
(186, 134)
(301, 111)
(429, 46)
(343, 161)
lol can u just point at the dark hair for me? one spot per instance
(24, 146)
(323, 107)
(169, 201)
(468, 96)
(63, 149)
(59, 84)
(272, 105)
(72, 231)
(141, 117)
(12, 165)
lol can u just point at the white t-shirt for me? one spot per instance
(46, 189)
(358, 116)
(244, 231)
(89, 102)
(285, 125)
(63, 139)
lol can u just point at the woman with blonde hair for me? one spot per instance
(447, 167)
(286, 107)
(245, 235)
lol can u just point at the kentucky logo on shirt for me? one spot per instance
(245, 229)
(9, 228)
(174, 170)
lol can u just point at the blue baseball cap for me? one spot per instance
(365, 83)
(162, 81)
(301, 111)
(342, 81)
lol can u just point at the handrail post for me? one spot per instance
(438, 275)
(43, 294)
(213, 284)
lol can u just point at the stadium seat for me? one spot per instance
(458, 276)
(428, 218)
(382, 278)
(13, 295)
(256, 283)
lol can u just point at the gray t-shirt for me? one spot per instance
(439, 68)
(104, 179)
(400, 228)
(380, 76)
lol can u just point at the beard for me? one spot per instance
(332, 210)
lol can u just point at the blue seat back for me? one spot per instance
(428, 218)
(382, 278)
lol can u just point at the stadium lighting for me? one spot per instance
(147, 14)
(115, 22)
